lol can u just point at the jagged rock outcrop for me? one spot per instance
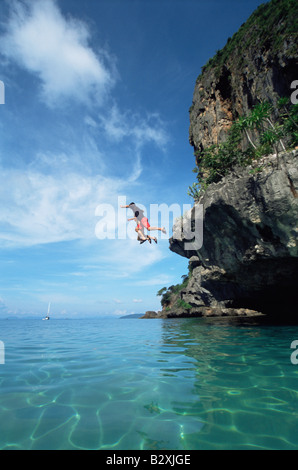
(259, 63)
(249, 256)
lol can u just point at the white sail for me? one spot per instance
(47, 316)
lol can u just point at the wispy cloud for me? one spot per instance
(39, 39)
(39, 208)
(143, 129)
(131, 127)
(120, 261)
(126, 258)
(160, 280)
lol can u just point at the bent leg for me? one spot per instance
(141, 235)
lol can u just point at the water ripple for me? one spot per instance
(172, 384)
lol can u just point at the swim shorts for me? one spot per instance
(145, 222)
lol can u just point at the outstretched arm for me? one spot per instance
(124, 207)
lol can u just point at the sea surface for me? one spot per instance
(119, 384)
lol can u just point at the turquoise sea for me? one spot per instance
(119, 384)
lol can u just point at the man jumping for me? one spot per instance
(142, 222)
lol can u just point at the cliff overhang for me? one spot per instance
(248, 263)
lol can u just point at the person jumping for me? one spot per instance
(142, 223)
(140, 231)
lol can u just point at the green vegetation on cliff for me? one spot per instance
(267, 28)
(170, 296)
(274, 135)
(261, 121)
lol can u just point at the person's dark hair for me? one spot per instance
(131, 204)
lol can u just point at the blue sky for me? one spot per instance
(97, 95)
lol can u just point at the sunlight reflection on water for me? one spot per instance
(147, 384)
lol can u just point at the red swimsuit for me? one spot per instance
(143, 223)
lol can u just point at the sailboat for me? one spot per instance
(47, 316)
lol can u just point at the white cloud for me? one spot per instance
(137, 301)
(39, 208)
(41, 40)
(119, 260)
(133, 128)
(142, 129)
(161, 280)
(127, 257)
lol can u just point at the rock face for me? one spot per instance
(249, 256)
(259, 63)
(248, 262)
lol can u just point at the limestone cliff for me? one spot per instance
(258, 63)
(248, 262)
